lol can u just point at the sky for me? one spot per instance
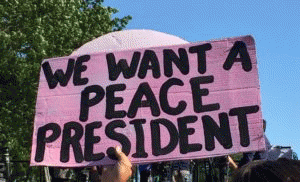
(275, 25)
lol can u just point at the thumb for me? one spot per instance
(122, 157)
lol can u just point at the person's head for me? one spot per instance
(282, 170)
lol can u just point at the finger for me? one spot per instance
(122, 157)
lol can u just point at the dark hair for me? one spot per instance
(282, 170)
(264, 124)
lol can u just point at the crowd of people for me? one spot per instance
(281, 170)
(254, 166)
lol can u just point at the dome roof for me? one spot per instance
(128, 39)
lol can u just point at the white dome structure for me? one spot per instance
(128, 39)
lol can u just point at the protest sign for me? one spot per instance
(186, 101)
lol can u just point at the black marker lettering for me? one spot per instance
(149, 61)
(200, 50)
(140, 146)
(198, 93)
(211, 130)
(163, 98)
(241, 113)
(143, 90)
(182, 62)
(122, 139)
(184, 132)
(238, 47)
(59, 75)
(79, 68)
(157, 150)
(122, 66)
(42, 139)
(86, 102)
(90, 140)
(111, 101)
(68, 141)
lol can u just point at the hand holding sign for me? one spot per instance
(120, 172)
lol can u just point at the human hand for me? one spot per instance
(120, 172)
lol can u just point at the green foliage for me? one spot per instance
(295, 156)
(30, 31)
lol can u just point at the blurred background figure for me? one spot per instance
(282, 170)
(258, 155)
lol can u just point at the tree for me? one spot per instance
(30, 31)
(295, 156)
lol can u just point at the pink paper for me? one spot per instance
(87, 112)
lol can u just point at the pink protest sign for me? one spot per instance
(186, 101)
